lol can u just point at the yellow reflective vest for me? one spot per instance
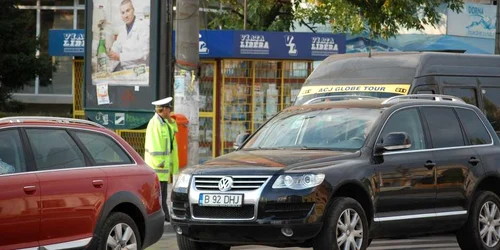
(158, 148)
(175, 154)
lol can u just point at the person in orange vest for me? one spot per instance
(159, 147)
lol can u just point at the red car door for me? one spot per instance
(20, 195)
(73, 193)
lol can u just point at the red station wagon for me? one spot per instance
(73, 184)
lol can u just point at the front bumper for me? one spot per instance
(246, 233)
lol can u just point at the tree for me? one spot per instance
(377, 18)
(262, 15)
(18, 51)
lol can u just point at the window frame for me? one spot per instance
(31, 150)
(84, 149)
(465, 131)
(423, 125)
(428, 127)
(28, 156)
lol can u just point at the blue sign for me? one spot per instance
(230, 44)
(66, 42)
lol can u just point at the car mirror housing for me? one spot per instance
(394, 141)
(240, 139)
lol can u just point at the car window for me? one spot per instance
(467, 94)
(103, 149)
(491, 97)
(54, 149)
(408, 121)
(444, 127)
(474, 128)
(11, 152)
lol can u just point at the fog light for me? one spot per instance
(287, 232)
(178, 230)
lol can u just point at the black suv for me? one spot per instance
(337, 174)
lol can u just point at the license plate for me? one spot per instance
(221, 200)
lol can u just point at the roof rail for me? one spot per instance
(20, 119)
(434, 97)
(339, 98)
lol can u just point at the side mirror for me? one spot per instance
(395, 141)
(240, 139)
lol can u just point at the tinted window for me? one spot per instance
(476, 132)
(103, 149)
(407, 120)
(467, 94)
(11, 152)
(54, 149)
(444, 127)
(491, 97)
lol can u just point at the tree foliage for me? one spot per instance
(378, 18)
(18, 51)
(262, 15)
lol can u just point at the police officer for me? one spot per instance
(160, 145)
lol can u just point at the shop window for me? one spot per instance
(27, 2)
(30, 32)
(57, 2)
(491, 98)
(81, 2)
(58, 82)
(80, 19)
(207, 83)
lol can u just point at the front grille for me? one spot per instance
(240, 183)
(286, 210)
(244, 212)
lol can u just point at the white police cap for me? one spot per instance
(162, 102)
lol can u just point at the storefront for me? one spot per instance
(245, 78)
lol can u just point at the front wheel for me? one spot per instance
(346, 227)
(482, 229)
(184, 243)
(119, 232)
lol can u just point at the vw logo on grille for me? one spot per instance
(225, 184)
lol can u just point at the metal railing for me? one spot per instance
(20, 119)
(432, 97)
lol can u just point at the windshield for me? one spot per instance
(329, 129)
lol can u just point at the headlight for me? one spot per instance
(298, 181)
(183, 181)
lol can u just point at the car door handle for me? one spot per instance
(30, 189)
(97, 183)
(474, 161)
(430, 165)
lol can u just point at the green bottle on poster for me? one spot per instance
(102, 57)
(102, 60)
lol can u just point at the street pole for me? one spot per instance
(497, 39)
(186, 94)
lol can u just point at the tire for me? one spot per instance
(328, 237)
(469, 236)
(119, 223)
(184, 243)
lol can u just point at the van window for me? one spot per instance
(491, 98)
(467, 94)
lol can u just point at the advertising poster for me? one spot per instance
(476, 20)
(121, 42)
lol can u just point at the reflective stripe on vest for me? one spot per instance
(157, 153)
(162, 171)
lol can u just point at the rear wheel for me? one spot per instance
(346, 227)
(482, 229)
(119, 232)
(184, 243)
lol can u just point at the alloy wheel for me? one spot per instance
(122, 237)
(349, 230)
(489, 224)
